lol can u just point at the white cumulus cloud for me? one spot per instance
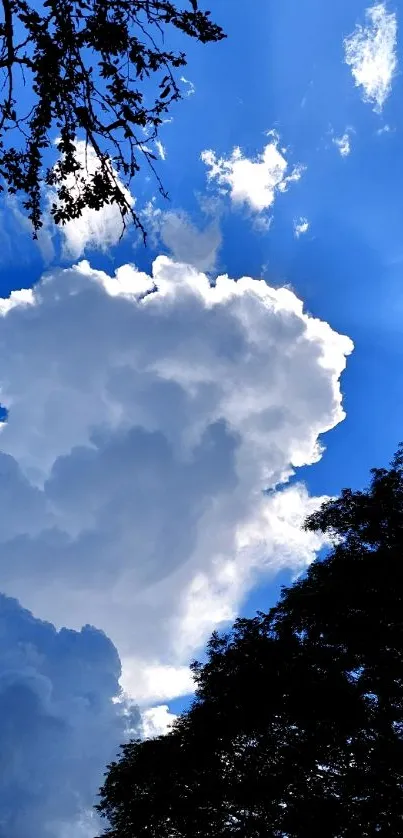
(370, 51)
(254, 182)
(147, 417)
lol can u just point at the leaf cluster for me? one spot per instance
(98, 70)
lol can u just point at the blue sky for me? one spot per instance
(143, 428)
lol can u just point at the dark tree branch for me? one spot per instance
(86, 62)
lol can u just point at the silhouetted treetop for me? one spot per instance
(296, 730)
(95, 70)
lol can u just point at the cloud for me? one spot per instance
(59, 725)
(253, 182)
(301, 226)
(191, 90)
(19, 226)
(151, 681)
(161, 149)
(147, 417)
(94, 229)
(370, 51)
(184, 241)
(343, 144)
(271, 540)
(156, 721)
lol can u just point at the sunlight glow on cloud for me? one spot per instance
(370, 51)
(156, 721)
(154, 682)
(147, 414)
(252, 182)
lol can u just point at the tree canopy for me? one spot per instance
(296, 729)
(97, 70)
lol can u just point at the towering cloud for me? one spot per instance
(148, 415)
(59, 725)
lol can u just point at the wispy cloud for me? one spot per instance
(370, 51)
(343, 144)
(301, 226)
(184, 240)
(161, 149)
(190, 86)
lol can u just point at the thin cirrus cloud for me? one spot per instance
(147, 415)
(370, 52)
(254, 182)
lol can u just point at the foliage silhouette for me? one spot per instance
(296, 729)
(97, 70)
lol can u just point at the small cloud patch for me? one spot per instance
(252, 181)
(370, 51)
(343, 144)
(301, 226)
(190, 89)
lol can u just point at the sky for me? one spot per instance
(171, 413)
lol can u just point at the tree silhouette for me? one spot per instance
(98, 70)
(296, 729)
